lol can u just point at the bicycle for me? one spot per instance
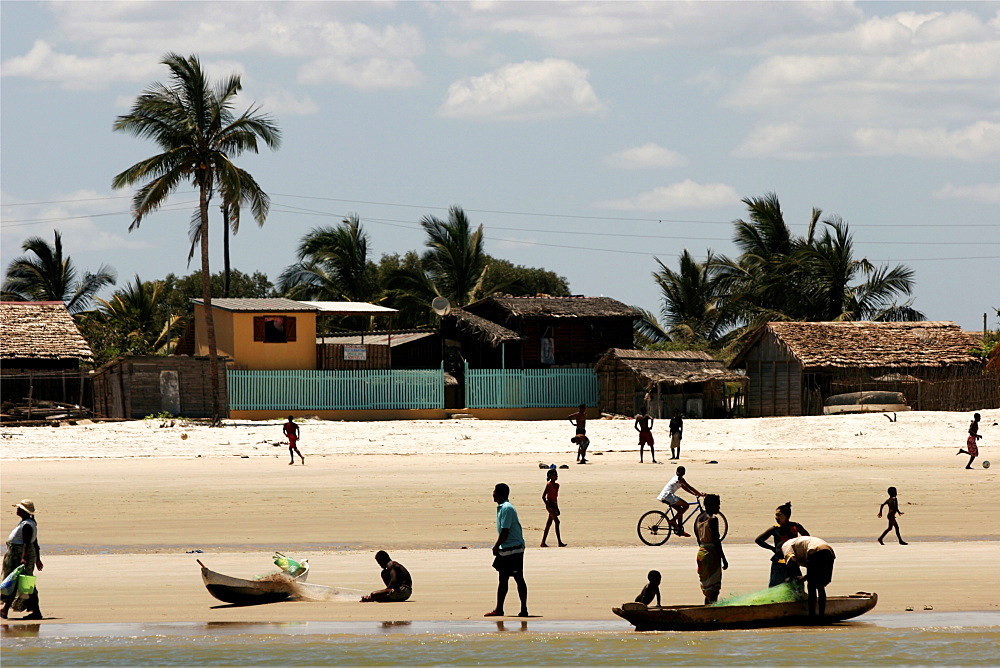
(655, 527)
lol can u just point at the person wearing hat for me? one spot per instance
(22, 550)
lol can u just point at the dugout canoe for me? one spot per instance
(710, 617)
(273, 588)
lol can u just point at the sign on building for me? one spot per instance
(357, 353)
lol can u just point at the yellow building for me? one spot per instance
(260, 334)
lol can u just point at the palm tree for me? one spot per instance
(455, 265)
(692, 299)
(194, 125)
(48, 276)
(133, 322)
(333, 265)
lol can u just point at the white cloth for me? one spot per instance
(802, 547)
(16, 536)
(668, 491)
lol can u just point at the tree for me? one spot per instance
(693, 303)
(132, 322)
(178, 291)
(194, 125)
(519, 280)
(332, 265)
(48, 276)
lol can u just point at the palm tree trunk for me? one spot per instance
(225, 248)
(206, 295)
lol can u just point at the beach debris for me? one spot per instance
(711, 461)
(928, 607)
(564, 466)
(890, 419)
(909, 608)
(195, 552)
(42, 410)
(184, 436)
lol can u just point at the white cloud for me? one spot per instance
(977, 142)
(647, 156)
(982, 193)
(79, 72)
(684, 195)
(782, 140)
(286, 103)
(524, 91)
(365, 74)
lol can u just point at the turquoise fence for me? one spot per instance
(336, 390)
(529, 388)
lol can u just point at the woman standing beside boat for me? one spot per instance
(782, 532)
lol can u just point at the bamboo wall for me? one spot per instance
(775, 380)
(134, 387)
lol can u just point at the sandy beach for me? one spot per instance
(124, 508)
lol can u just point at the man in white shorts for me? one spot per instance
(669, 496)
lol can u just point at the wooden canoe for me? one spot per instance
(712, 617)
(274, 588)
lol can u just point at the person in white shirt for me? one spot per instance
(669, 496)
(817, 556)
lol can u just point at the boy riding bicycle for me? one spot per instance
(668, 496)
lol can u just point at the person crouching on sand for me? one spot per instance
(398, 583)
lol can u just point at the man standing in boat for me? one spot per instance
(817, 556)
(711, 559)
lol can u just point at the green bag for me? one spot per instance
(9, 585)
(26, 584)
(286, 564)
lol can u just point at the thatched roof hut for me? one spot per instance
(665, 380)
(485, 330)
(40, 335)
(794, 366)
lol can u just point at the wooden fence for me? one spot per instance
(336, 390)
(529, 388)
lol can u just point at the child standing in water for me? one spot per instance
(893, 503)
(550, 496)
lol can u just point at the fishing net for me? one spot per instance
(785, 592)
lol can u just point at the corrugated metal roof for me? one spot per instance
(352, 308)
(268, 305)
(376, 338)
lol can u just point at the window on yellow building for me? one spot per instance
(274, 328)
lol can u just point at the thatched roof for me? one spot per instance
(486, 330)
(40, 331)
(559, 307)
(824, 345)
(670, 367)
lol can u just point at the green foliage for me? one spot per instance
(178, 291)
(47, 275)
(526, 281)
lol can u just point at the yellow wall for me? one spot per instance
(234, 338)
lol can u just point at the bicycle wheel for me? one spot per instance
(723, 526)
(653, 528)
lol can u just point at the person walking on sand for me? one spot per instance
(550, 497)
(783, 530)
(711, 559)
(292, 433)
(971, 447)
(398, 583)
(23, 550)
(644, 425)
(893, 503)
(676, 433)
(668, 495)
(817, 556)
(508, 552)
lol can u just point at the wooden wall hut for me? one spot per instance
(794, 367)
(689, 381)
(410, 349)
(42, 355)
(135, 387)
(557, 331)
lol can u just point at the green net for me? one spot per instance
(785, 592)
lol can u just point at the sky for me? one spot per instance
(587, 138)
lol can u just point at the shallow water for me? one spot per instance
(917, 639)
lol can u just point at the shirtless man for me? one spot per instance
(971, 447)
(398, 583)
(291, 432)
(644, 425)
(579, 420)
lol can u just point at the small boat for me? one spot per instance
(869, 401)
(270, 589)
(713, 617)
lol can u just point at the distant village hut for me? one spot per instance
(42, 355)
(793, 367)
(541, 331)
(664, 381)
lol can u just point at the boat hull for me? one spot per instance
(250, 592)
(710, 618)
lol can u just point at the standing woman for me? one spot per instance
(783, 531)
(550, 496)
(22, 550)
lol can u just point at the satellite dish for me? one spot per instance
(441, 306)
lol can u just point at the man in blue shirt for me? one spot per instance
(508, 552)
